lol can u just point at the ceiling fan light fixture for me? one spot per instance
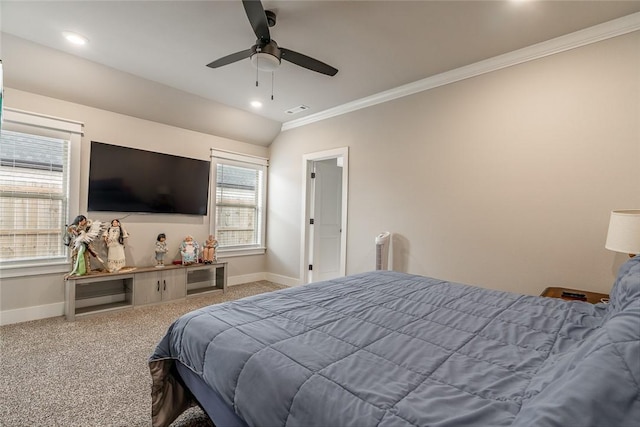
(265, 61)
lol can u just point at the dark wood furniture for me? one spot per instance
(574, 295)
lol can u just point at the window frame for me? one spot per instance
(246, 161)
(44, 125)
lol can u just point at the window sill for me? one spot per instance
(228, 253)
(23, 270)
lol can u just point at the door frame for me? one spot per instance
(307, 167)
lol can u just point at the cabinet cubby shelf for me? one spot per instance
(101, 292)
(195, 292)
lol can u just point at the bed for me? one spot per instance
(394, 349)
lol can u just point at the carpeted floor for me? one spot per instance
(92, 372)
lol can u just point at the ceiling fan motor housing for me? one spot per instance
(271, 17)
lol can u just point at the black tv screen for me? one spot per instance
(125, 179)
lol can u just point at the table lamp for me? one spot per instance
(624, 232)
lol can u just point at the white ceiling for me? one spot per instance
(376, 45)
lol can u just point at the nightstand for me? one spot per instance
(574, 295)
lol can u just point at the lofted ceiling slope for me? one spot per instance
(148, 59)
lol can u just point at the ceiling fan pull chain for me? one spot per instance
(257, 59)
(272, 80)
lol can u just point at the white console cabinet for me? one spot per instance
(99, 292)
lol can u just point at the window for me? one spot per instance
(35, 188)
(239, 201)
(33, 196)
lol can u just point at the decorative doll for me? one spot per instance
(189, 250)
(161, 249)
(80, 236)
(209, 252)
(114, 237)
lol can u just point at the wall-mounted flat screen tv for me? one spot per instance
(125, 179)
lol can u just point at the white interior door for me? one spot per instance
(327, 220)
(323, 244)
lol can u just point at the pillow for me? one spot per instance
(626, 288)
(595, 383)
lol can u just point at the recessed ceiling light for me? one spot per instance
(75, 38)
(256, 104)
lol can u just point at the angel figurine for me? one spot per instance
(82, 232)
(189, 250)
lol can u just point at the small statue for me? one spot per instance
(161, 249)
(114, 237)
(189, 250)
(80, 236)
(209, 252)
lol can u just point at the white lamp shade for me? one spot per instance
(624, 231)
(265, 61)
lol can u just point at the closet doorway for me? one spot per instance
(324, 237)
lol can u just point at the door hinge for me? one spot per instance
(310, 267)
(313, 175)
(311, 221)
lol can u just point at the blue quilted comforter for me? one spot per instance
(392, 349)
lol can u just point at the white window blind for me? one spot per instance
(240, 190)
(39, 186)
(34, 192)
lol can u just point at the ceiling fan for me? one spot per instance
(266, 54)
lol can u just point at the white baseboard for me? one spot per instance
(27, 314)
(245, 278)
(283, 280)
(255, 277)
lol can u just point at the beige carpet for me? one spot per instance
(92, 372)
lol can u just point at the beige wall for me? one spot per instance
(504, 180)
(105, 126)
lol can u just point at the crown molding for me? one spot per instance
(604, 31)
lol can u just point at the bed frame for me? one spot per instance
(218, 411)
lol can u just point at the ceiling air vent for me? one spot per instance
(298, 109)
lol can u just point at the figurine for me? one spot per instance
(209, 252)
(161, 249)
(114, 238)
(80, 236)
(189, 250)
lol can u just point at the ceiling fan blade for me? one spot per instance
(225, 60)
(257, 19)
(307, 62)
